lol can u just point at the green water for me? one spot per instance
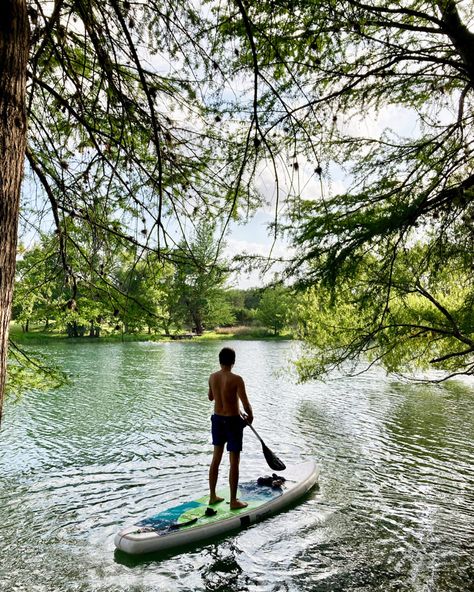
(394, 511)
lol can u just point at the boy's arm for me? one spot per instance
(241, 393)
(210, 394)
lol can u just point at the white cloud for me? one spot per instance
(264, 248)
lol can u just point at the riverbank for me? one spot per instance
(39, 335)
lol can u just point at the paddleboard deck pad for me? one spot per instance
(194, 521)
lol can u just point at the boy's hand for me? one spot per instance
(247, 417)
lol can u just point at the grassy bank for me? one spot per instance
(39, 335)
(243, 332)
(33, 335)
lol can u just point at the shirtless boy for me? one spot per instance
(226, 389)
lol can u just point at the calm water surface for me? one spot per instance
(394, 510)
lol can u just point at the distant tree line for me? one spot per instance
(120, 290)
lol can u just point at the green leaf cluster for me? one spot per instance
(411, 321)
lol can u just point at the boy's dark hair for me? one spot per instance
(227, 356)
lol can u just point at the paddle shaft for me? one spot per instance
(244, 417)
(273, 461)
(254, 431)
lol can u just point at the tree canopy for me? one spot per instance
(274, 308)
(390, 218)
(127, 292)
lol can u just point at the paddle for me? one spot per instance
(272, 460)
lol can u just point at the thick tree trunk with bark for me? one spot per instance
(461, 37)
(198, 326)
(14, 36)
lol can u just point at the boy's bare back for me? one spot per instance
(226, 389)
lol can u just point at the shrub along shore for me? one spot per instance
(39, 334)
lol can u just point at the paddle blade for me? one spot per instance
(272, 461)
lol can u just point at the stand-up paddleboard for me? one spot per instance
(195, 521)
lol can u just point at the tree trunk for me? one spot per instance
(14, 41)
(459, 34)
(198, 324)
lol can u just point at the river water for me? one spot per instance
(394, 510)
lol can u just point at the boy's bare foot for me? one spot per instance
(237, 505)
(215, 500)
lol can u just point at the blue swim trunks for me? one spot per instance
(228, 428)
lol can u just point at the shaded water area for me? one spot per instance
(394, 510)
